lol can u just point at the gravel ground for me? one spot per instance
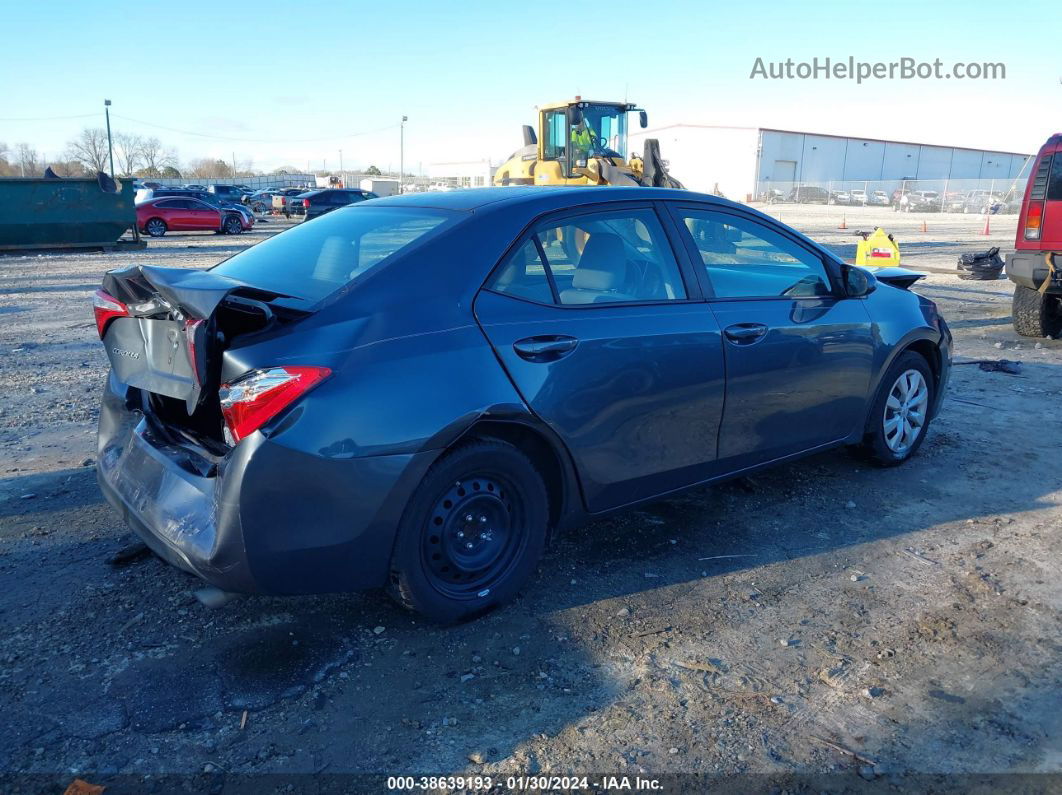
(820, 617)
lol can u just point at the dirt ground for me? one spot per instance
(820, 617)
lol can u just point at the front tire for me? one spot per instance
(472, 533)
(1036, 314)
(233, 225)
(156, 227)
(899, 417)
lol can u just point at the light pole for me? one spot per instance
(110, 146)
(341, 167)
(401, 150)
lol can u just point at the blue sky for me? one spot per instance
(261, 78)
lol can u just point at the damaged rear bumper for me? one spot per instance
(266, 518)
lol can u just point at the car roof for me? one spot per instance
(536, 197)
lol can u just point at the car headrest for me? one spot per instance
(603, 265)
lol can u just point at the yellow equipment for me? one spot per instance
(877, 249)
(584, 143)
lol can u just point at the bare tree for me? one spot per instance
(155, 157)
(209, 168)
(90, 149)
(28, 161)
(128, 151)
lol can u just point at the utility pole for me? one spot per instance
(233, 166)
(341, 164)
(401, 150)
(110, 146)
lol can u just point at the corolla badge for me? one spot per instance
(126, 354)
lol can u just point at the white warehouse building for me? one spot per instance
(744, 162)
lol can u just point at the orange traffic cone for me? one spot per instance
(924, 229)
(844, 224)
(988, 229)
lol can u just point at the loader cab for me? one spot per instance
(574, 133)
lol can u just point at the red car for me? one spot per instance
(156, 217)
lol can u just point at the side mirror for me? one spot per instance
(858, 282)
(643, 119)
(574, 115)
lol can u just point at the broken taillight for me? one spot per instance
(190, 327)
(250, 402)
(106, 308)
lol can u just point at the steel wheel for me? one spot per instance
(905, 411)
(475, 533)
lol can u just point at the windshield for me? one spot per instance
(316, 258)
(602, 131)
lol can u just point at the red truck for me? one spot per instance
(1035, 267)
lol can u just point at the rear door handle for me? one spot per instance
(545, 348)
(745, 333)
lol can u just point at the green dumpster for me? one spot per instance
(64, 213)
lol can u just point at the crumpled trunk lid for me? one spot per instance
(167, 345)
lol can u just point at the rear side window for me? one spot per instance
(1054, 184)
(312, 261)
(620, 256)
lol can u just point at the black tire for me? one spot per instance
(874, 441)
(1036, 314)
(432, 572)
(155, 227)
(233, 225)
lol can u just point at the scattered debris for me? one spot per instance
(995, 365)
(130, 553)
(844, 750)
(243, 720)
(920, 557)
(379, 630)
(477, 758)
(849, 505)
(837, 676)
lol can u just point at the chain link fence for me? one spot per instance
(979, 196)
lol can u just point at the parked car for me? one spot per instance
(282, 201)
(954, 202)
(232, 208)
(319, 202)
(982, 202)
(229, 193)
(1035, 266)
(415, 392)
(858, 197)
(772, 196)
(878, 198)
(840, 197)
(194, 186)
(156, 217)
(261, 201)
(921, 201)
(809, 194)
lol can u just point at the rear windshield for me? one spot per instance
(316, 258)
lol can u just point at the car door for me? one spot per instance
(202, 215)
(799, 354)
(609, 343)
(175, 213)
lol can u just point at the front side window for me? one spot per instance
(621, 256)
(746, 259)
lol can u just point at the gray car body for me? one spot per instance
(652, 402)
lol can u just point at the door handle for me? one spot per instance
(546, 348)
(745, 333)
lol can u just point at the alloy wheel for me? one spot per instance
(905, 411)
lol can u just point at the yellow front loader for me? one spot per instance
(584, 143)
